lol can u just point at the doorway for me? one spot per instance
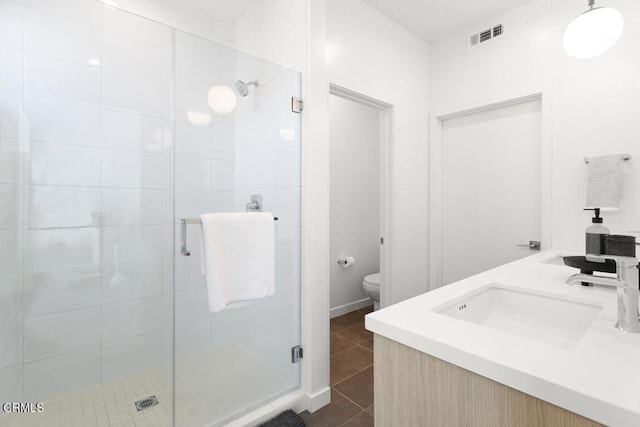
(360, 187)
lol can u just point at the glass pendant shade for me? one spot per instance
(593, 32)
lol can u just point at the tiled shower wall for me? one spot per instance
(85, 173)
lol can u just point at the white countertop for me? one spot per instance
(599, 378)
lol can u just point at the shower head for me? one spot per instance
(243, 88)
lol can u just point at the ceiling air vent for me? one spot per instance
(485, 35)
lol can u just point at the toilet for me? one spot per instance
(371, 285)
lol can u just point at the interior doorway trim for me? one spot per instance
(386, 184)
(436, 179)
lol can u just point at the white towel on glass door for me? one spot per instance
(604, 181)
(239, 258)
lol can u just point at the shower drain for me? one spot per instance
(147, 402)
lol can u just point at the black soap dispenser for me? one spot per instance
(595, 234)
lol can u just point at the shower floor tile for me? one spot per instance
(210, 387)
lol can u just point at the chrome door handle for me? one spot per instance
(534, 245)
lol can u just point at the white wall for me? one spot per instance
(355, 200)
(369, 54)
(593, 103)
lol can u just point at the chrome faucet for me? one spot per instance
(626, 281)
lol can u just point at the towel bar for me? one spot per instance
(183, 233)
(622, 156)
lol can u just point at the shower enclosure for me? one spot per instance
(113, 128)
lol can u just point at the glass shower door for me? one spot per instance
(235, 137)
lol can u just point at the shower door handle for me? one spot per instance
(183, 235)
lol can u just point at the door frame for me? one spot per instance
(386, 183)
(436, 176)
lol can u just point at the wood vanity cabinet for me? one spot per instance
(415, 389)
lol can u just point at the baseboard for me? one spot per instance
(297, 401)
(318, 400)
(348, 308)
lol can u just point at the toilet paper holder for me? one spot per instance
(347, 261)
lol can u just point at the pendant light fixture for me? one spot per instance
(593, 32)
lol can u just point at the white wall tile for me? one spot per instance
(189, 273)
(10, 298)
(126, 24)
(194, 74)
(287, 206)
(288, 284)
(63, 207)
(193, 141)
(121, 206)
(261, 171)
(49, 32)
(11, 339)
(57, 164)
(62, 249)
(151, 247)
(11, 383)
(193, 338)
(132, 95)
(222, 201)
(223, 175)
(191, 305)
(193, 46)
(121, 244)
(131, 58)
(125, 282)
(64, 122)
(121, 169)
(56, 78)
(12, 123)
(12, 23)
(61, 291)
(154, 172)
(186, 102)
(289, 167)
(12, 77)
(131, 355)
(131, 132)
(11, 162)
(288, 245)
(11, 200)
(152, 207)
(60, 375)
(131, 318)
(59, 333)
(167, 312)
(192, 203)
(11, 252)
(224, 138)
(192, 173)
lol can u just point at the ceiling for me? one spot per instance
(433, 20)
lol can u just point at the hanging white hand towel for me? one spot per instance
(239, 258)
(604, 181)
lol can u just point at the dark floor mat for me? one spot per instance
(286, 419)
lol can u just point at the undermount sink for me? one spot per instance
(550, 319)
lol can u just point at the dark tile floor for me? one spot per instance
(351, 375)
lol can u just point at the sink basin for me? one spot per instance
(546, 318)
